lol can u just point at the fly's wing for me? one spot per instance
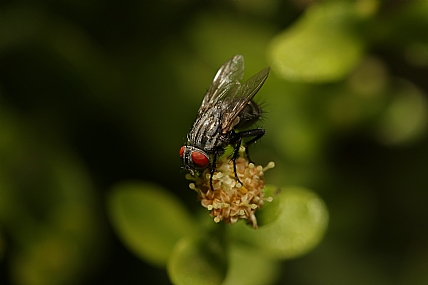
(240, 99)
(225, 83)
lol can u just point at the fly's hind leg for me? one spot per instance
(257, 133)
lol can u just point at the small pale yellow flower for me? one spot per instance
(231, 201)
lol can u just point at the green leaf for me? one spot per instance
(249, 266)
(322, 46)
(198, 260)
(148, 220)
(291, 226)
(405, 119)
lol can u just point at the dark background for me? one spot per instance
(97, 92)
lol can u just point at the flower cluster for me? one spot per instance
(229, 200)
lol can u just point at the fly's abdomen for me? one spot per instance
(249, 115)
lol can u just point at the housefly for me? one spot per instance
(226, 107)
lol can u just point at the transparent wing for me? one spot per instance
(225, 83)
(240, 99)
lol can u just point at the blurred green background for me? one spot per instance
(98, 92)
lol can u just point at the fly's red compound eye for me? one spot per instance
(182, 151)
(199, 159)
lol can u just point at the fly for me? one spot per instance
(227, 105)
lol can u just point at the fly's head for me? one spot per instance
(194, 159)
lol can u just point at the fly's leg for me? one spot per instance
(255, 133)
(235, 156)
(212, 170)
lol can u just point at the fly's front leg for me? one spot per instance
(212, 170)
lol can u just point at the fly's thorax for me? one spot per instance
(206, 131)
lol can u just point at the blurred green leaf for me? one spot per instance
(249, 266)
(322, 46)
(406, 116)
(149, 220)
(198, 260)
(361, 99)
(258, 7)
(300, 220)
